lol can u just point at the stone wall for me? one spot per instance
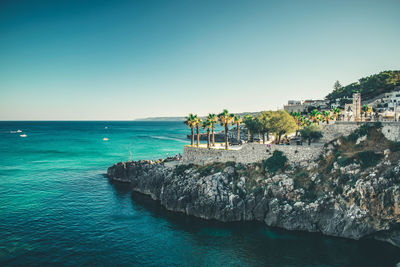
(249, 153)
(391, 130)
(335, 130)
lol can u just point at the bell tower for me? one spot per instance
(357, 106)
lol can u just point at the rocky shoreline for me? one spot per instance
(337, 195)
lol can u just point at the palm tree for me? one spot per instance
(197, 123)
(190, 122)
(206, 125)
(248, 119)
(225, 118)
(213, 120)
(315, 115)
(336, 112)
(298, 119)
(364, 111)
(326, 115)
(237, 120)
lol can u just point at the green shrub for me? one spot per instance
(180, 169)
(344, 161)
(368, 158)
(329, 167)
(377, 125)
(363, 130)
(276, 162)
(338, 190)
(352, 180)
(239, 166)
(300, 174)
(230, 163)
(394, 146)
(301, 179)
(390, 174)
(205, 170)
(311, 193)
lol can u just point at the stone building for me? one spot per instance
(357, 106)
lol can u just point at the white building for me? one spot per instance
(392, 100)
(303, 106)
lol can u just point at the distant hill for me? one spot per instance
(162, 119)
(369, 87)
(242, 114)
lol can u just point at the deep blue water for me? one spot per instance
(56, 207)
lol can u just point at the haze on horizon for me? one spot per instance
(121, 60)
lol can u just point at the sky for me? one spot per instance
(126, 59)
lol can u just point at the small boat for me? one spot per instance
(105, 139)
(23, 135)
(106, 127)
(19, 131)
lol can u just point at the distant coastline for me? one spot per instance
(161, 119)
(242, 114)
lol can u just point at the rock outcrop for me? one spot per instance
(340, 194)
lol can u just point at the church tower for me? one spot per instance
(357, 106)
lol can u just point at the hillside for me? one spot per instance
(369, 87)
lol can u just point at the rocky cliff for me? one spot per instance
(352, 190)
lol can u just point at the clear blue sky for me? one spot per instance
(120, 60)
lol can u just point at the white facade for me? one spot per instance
(392, 99)
(302, 106)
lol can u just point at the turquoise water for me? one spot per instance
(57, 207)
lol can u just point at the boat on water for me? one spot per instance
(105, 139)
(23, 135)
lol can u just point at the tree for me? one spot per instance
(213, 119)
(369, 87)
(336, 112)
(326, 116)
(206, 125)
(337, 86)
(225, 119)
(197, 123)
(365, 109)
(312, 132)
(190, 122)
(315, 115)
(237, 120)
(248, 120)
(298, 118)
(264, 124)
(282, 123)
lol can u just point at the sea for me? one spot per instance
(57, 207)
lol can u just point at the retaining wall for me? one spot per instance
(391, 130)
(249, 153)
